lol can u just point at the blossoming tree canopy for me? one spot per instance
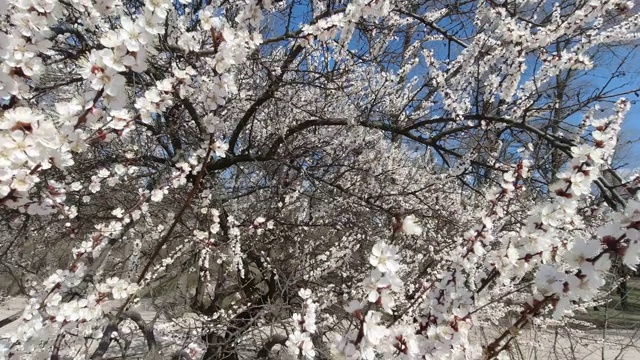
(339, 179)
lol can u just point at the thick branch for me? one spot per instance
(277, 339)
(266, 95)
(147, 329)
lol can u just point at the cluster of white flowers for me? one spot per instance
(299, 342)
(371, 336)
(119, 288)
(155, 100)
(553, 231)
(582, 255)
(20, 49)
(29, 144)
(74, 310)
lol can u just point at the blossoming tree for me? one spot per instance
(343, 179)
